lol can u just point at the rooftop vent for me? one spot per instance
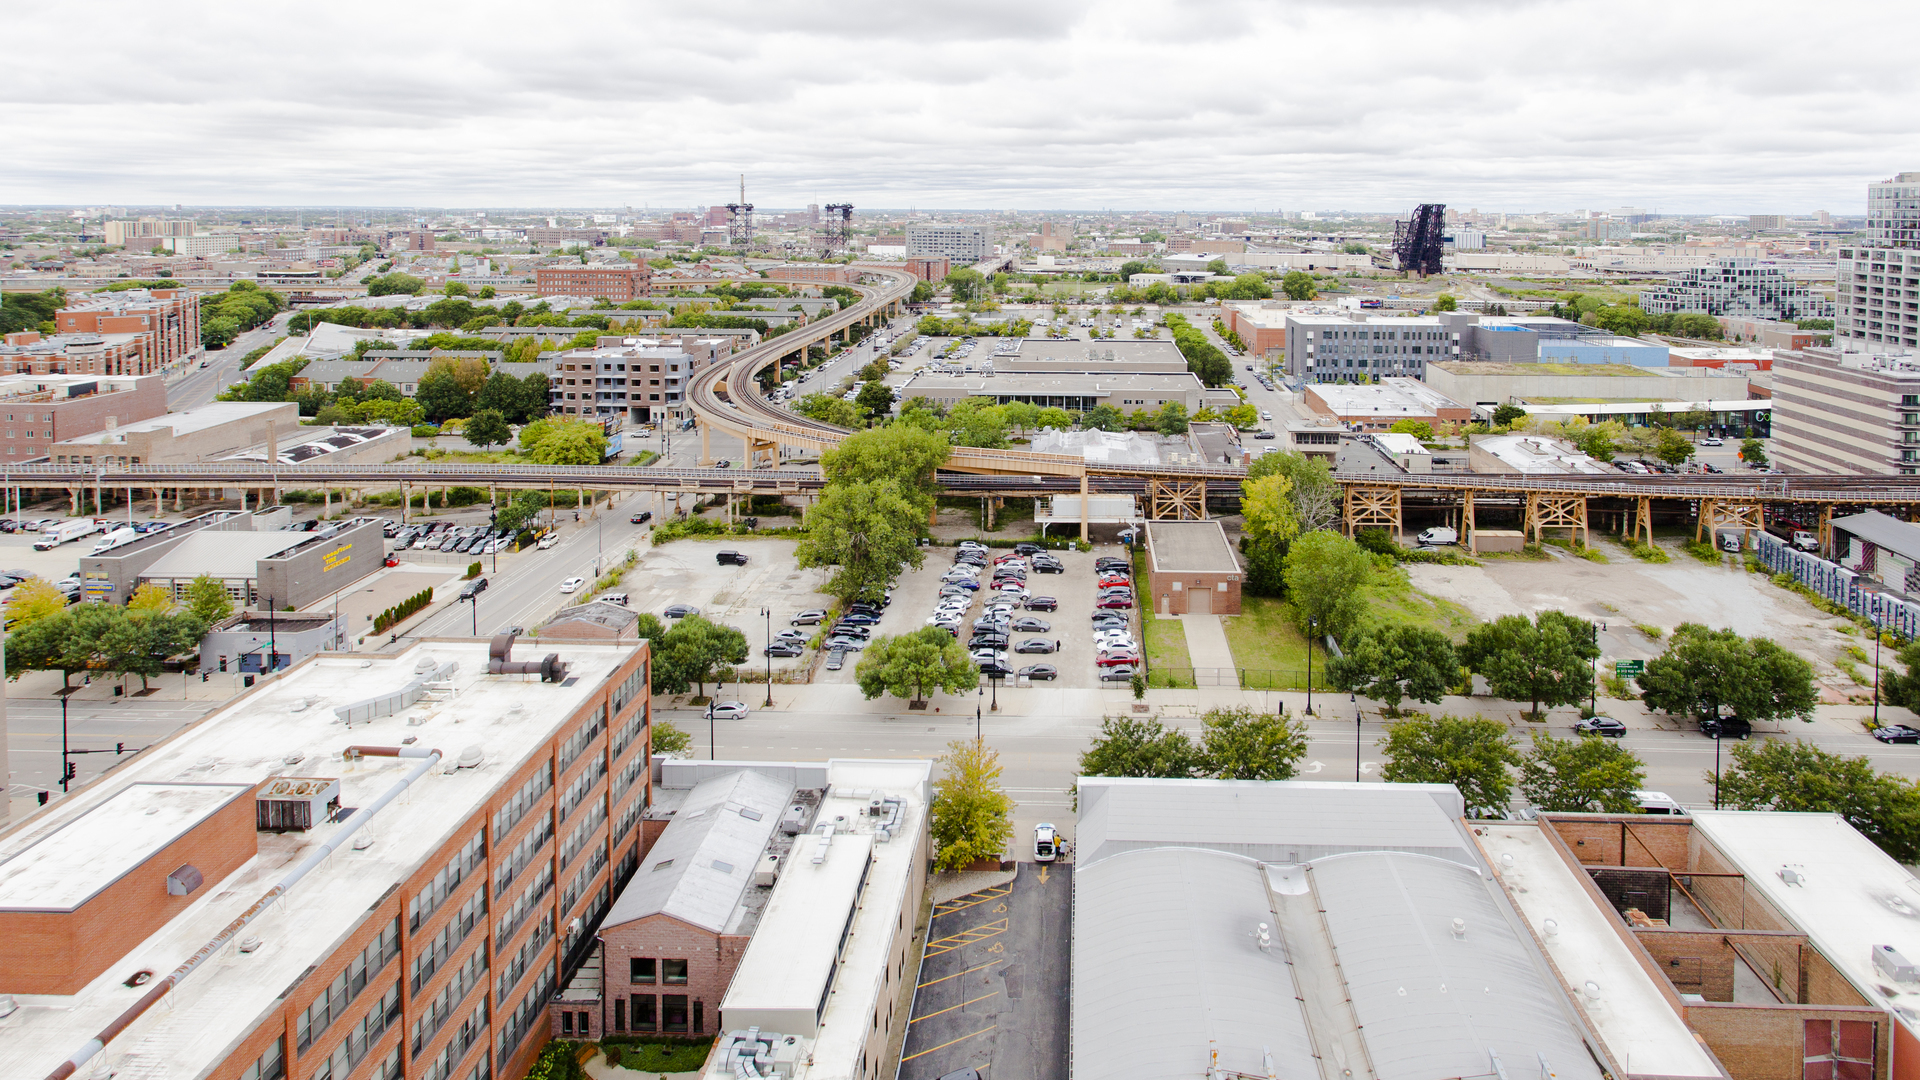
(1893, 965)
(184, 881)
(471, 757)
(294, 803)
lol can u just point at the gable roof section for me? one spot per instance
(704, 862)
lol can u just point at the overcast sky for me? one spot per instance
(1679, 106)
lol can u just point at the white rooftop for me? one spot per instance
(94, 849)
(198, 418)
(1631, 1014)
(1396, 442)
(781, 975)
(1388, 397)
(1538, 454)
(1848, 896)
(703, 864)
(287, 726)
(222, 554)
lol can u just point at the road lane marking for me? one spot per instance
(970, 936)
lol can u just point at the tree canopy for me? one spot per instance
(692, 652)
(914, 664)
(1324, 574)
(558, 441)
(867, 531)
(1544, 661)
(1587, 774)
(1707, 673)
(972, 815)
(1394, 662)
(1473, 755)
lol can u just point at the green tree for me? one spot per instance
(564, 442)
(440, 394)
(1707, 673)
(1419, 429)
(875, 399)
(1508, 415)
(218, 332)
(1240, 743)
(150, 597)
(1104, 418)
(1672, 447)
(1445, 302)
(1544, 661)
(975, 422)
(1218, 266)
(1243, 416)
(1299, 285)
(1903, 690)
(1316, 497)
(1798, 776)
(867, 530)
(904, 455)
(207, 600)
(1395, 662)
(967, 284)
(1324, 573)
(139, 642)
(829, 409)
(1171, 419)
(34, 600)
(1581, 775)
(972, 815)
(667, 739)
(1267, 504)
(396, 282)
(68, 641)
(1623, 319)
(1474, 755)
(1753, 452)
(1054, 417)
(693, 652)
(914, 663)
(1128, 746)
(488, 428)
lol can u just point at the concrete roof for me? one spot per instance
(703, 863)
(198, 418)
(1287, 822)
(1389, 397)
(222, 554)
(63, 867)
(1190, 547)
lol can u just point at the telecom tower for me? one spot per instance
(839, 227)
(1419, 243)
(740, 219)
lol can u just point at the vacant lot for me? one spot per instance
(684, 572)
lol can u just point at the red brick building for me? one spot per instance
(673, 938)
(423, 879)
(1191, 569)
(37, 412)
(616, 283)
(929, 267)
(27, 353)
(169, 320)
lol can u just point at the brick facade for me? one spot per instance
(616, 283)
(33, 419)
(168, 320)
(663, 975)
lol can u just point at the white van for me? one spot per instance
(1658, 802)
(1438, 536)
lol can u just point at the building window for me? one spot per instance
(673, 971)
(673, 1012)
(645, 1015)
(639, 970)
(619, 1014)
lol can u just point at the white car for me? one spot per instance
(1046, 842)
(572, 584)
(729, 710)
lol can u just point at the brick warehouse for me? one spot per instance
(615, 283)
(302, 873)
(1192, 569)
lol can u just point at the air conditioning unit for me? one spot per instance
(768, 872)
(295, 804)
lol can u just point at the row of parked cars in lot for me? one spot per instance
(1117, 656)
(1004, 595)
(441, 536)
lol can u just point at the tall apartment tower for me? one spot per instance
(1879, 281)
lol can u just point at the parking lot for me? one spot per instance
(685, 572)
(993, 987)
(917, 592)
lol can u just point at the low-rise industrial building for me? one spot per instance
(1075, 392)
(41, 410)
(595, 620)
(253, 555)
(1192, 569)
(1530, 455)
(254, 897)
(401, 369)
(1379, 406)
(1050, 356)
(252, 642)
(1485, 384)
(198, 434)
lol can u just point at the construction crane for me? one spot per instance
(839, 227)
(740, 219)
(1419, 242)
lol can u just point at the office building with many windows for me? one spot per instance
(1737, 287)
(1335, 348)
(368, 867)
(1845, 412)
(961, 244)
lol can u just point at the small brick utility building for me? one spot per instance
(1192, 569)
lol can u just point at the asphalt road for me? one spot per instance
(33, 735)
(530, 592)
(199, 385)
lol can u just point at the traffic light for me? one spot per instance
(119, 748)
(71, 772)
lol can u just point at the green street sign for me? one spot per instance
(1628, 669)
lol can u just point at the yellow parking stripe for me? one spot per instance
(962, 1005)
(956, 974)
(944, 1045)
(966, 937)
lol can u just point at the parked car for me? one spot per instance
(1042, 603)
(1896, 733)
(730, 558)
(843, 641)
(1122, 673)
(1117, 656)
(783, 649)
(1027, 624)
(1600, 725)
(1043, 672)
(1713, 441)
(1726, 727)
(1038, 645)
(790, 635)
(680, 611)
(1028, 549)
(572, 584)
(810, 617)
(1115, 602)
(728, 710)
(860, 618)
(613, 598)
(836, 659)
(1046, 844)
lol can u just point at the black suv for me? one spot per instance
(1729, 727)
(733, 558)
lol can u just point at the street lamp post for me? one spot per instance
(978, 694)
(1876, 671)
(768, 612)
(711, 738)
(1311, 623)
(1355, 699)
(994, 681)
(1716, 764)
(66, 768)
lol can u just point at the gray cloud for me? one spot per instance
(1360, 104)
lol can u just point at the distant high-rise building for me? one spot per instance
(960, 243)
(813, 213)
(1879, 281)
(1736, 287)
(1767, 221)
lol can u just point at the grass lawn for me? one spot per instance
(1393, 599)
(658, 1057)
(1165, 639)
(1269, 647)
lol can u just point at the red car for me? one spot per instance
(1108, 582)
(1120, 602)
(1117, 657)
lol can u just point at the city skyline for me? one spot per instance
(1689, 109)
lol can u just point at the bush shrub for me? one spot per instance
(473, 570)
(399, 612)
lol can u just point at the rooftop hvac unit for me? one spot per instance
(294, 804)
(768, 871)
(794, 821)
(1893, 965)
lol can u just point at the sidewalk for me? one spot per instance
(1207, 642)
